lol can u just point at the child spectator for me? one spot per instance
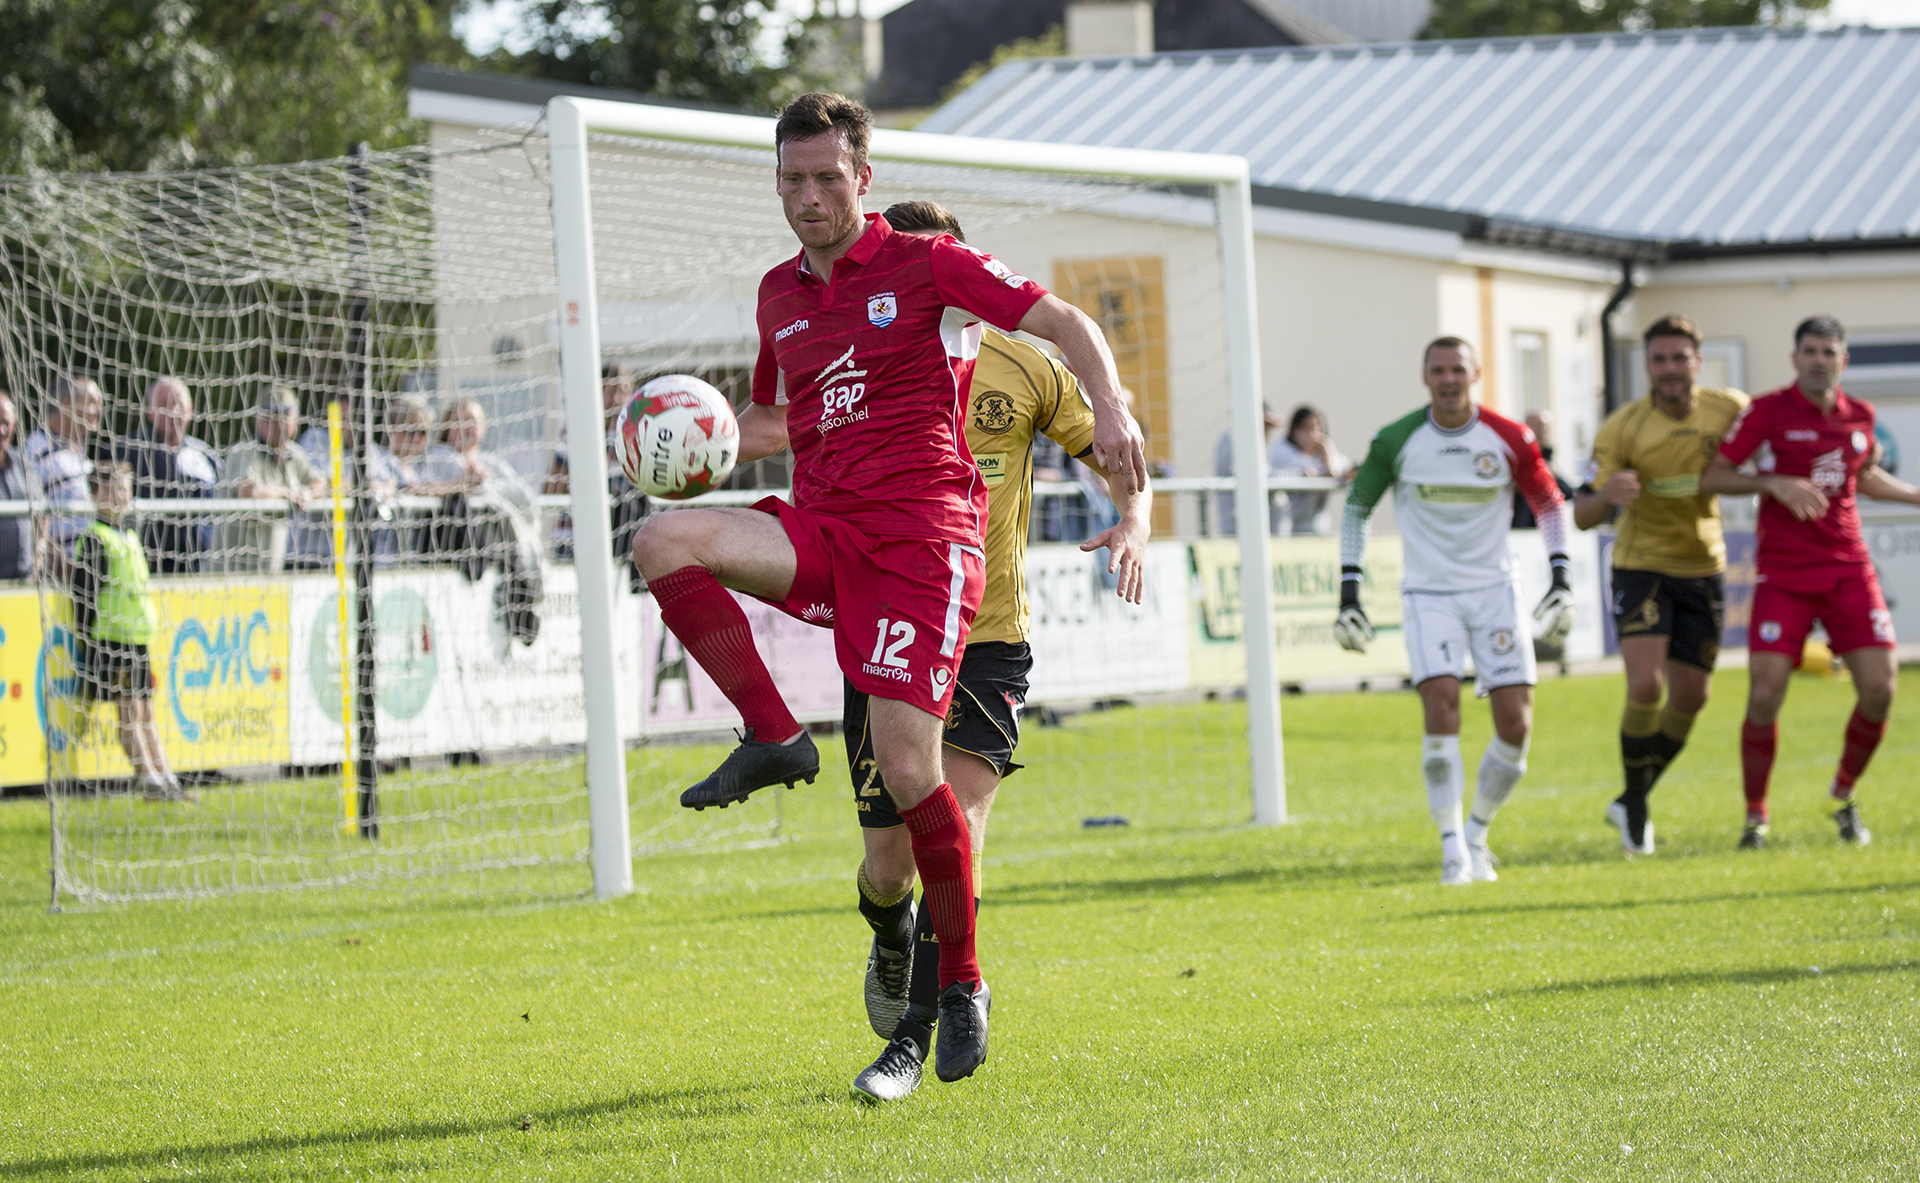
(113, 620)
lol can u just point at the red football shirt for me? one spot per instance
(873, 367)
(1786, 434)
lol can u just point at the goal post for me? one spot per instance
(570, 124)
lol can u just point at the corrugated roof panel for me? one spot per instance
(1716, 136)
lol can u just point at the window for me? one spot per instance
(1529, 371)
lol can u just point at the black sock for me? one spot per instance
(923, 989)
(1662, 749)
(1637, 756)
(890, 921)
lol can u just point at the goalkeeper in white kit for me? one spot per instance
(1453, 468)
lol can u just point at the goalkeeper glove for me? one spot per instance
(1351, 628)
(1553, 618)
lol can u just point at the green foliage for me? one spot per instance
(1050, 44)
(155, 84)
(707, 50)
(1173, 1002)
(1522, 18)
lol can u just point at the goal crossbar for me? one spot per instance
(571, 121)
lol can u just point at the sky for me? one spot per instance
(491, 23)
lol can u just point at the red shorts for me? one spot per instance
(1847, 602)
(900, 608)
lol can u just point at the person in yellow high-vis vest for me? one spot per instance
(113, 621)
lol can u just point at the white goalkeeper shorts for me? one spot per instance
(1443, 629)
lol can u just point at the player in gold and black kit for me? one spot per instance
(1669, 557)
(1018, 393)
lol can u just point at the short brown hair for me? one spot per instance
(1460, 343)
(923, 217)
(107, 471)
(813, 115)
(1672, 325)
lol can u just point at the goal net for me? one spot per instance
(192, 331)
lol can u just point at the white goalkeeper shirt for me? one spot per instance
(1453, 499)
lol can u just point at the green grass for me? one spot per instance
(1180, 999)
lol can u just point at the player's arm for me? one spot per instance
(1117, 442)
(1351, 628)
(1747, 435)
(763, 425)
(1125, 540)
(1553, 615)
(1881, 485)
(1608, 486)
(763, 431)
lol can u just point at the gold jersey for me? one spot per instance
(1018, 392)
(1673, 527)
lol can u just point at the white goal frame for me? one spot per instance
(570, 121)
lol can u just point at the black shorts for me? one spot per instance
(111, 670)
(983, 719)
(1690, 612)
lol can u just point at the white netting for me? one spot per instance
(415, 289)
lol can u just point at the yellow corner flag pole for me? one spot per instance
(340, 582)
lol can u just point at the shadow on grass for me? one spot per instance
(1624, 905)
(1354, 874)
(1670, 981)
(705, 1102)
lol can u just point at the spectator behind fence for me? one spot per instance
(114, 620)
(1541, 424)
(627, 505)
(268, 467)
(16, 533)
(56, 456)
(489, 518)
(409, 430)
(1306, 451)
(169, 464)
(1223, 466)
(310, 543)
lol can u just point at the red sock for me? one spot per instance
(943, 853)
(714, 629)
(1757, 746)
(1863, 735)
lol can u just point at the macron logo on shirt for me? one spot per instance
(796, 327)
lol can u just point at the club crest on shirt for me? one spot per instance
(1486, 465)
(993, 413)
(1859, 441)
(882, 309)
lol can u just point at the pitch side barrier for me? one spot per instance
(570, 123)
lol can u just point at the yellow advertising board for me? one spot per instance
(23, 754)
(1306, 598)
(220, 685)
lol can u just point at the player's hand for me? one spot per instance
(1553, 617)
(1126, 544)
(1622, 488)
(1799, 495)
(1352, 629)
(1119, 448)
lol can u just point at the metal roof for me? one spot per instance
(1672, 143)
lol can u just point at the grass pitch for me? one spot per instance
(1175, 999)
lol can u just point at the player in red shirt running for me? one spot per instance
(867, 342)
(1813, 447)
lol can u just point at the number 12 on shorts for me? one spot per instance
(885, 654)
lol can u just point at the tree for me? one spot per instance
(312, 76)
(145, 84)
(1519, 18)
(107, 84)
(708, 50)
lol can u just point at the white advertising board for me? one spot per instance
(1089, 643)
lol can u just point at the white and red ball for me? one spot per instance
(677, 438)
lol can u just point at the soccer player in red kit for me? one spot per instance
(1813, 447)
(867, 343)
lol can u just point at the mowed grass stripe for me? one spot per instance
(1187, 997)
